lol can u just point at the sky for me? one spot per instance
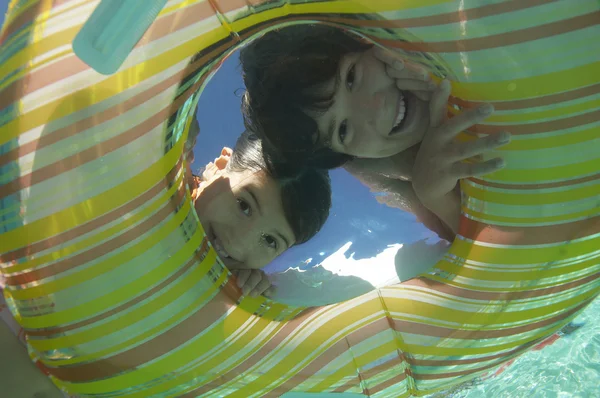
(355, 215)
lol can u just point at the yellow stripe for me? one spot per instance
(37, 49)
(514, 275)
(159, 300)
(446, 351)
(103, 267)
(349, 368)
(92, 208)
(91, 95)
(229, 349)
(100, 236)
(175, 358)
(302, 330)
(13, 12)
(489, 194)
(529, 87)
(527, 221)
(523, 255)
(206, 264)
(548, 174)
(357, 317)
(534, 142)
(558, 111)
(502, 289)
(25, 71)
(332, 7)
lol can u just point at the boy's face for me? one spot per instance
(371, 117)
(242, 215)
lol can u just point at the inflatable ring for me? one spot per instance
(119, 293)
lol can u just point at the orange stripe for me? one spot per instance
(423, 329)
(158, 346)
(424, 282)
(98, 150)
(340, 347)
(547, 185)
(500, 40)
(123, 307)
(96, 119)
(546, 100)
(28, 17)
(71, 65)
(526, 235)
(255, 358)
(542, 127)
(446, 18)
(66, 264)
(36, 247)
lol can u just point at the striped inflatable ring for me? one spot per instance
(118, 291)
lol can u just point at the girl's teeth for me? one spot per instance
(401, 112)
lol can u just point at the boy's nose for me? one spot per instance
(241, 241)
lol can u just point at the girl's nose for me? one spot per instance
(372, 102)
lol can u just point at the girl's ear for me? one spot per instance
(222, 161)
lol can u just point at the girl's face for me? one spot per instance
(370, 116)
(243, 216)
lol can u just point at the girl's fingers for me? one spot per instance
(464, 120)
(270, 292)
(398, 67)
(475, 148)
(389, 57)
(253, 281)
(261, 287)
(423, 95)
(438, 106)
(415, 85)
(242, 276)
(466, 170)
(408, 72)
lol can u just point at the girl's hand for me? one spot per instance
(409, 76)
(253, 282)
(440, 161)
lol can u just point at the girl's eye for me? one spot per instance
(270, 241)
(244, 207)
(350, 77)
(342, 131)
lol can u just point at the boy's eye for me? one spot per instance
(342, 131)
(350, 77)
(270, 241)
(244, 207)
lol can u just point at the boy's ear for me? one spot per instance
(222, 161)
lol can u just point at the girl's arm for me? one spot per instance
(402, 196)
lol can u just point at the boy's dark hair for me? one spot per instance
(305, 191)
(277, 69)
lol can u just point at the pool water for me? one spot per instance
(570, 367)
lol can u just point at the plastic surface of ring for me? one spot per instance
(109, 271)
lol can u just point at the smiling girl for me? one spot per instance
(327, 97)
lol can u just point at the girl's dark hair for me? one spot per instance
(278, 68)
(305, 191)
